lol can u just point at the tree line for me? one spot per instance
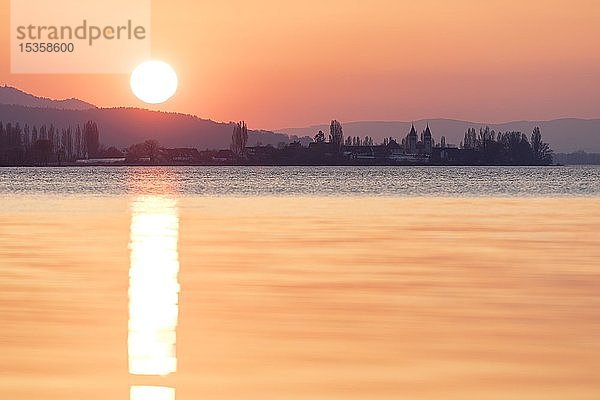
(508, 147)
(24, 144)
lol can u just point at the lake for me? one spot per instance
(300, 283)
(305, 181)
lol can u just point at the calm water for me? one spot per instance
(320, 181)
(283, 283)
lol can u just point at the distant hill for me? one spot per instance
(564, 135)
(13, 96)
(122, 127)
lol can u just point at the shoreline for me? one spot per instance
(100, 164)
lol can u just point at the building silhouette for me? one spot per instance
(411, 144)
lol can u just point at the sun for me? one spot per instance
(153, 82)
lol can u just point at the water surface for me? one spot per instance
(192, 283)
(314, 181)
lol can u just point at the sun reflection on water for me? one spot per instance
(153, 292)
(151, 393)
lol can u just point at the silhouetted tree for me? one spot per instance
(69, 144)
(7, 134)
(485, 136)
(34, 135)
(336, 135)
(26, 137)
(150, 149)
(470, 140)
(239, 139)
(78, 143)
(43, 134)
(320, 137)
(17, 140)
(91, 138)
(51, 138)
(42, 150)
(516, 147)
(542, 154)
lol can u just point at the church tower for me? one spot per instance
(427, 140)
(411, 141)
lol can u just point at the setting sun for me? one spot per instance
(154, 82)
(303, 199)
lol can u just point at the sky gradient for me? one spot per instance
(295, 63)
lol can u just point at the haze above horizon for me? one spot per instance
(303, 63)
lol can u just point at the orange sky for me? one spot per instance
(293, 63)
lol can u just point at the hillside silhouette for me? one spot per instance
(14, 96)
(122, 127)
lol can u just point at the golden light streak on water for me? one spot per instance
(153, 286)
(310, 298)
(152, 393)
